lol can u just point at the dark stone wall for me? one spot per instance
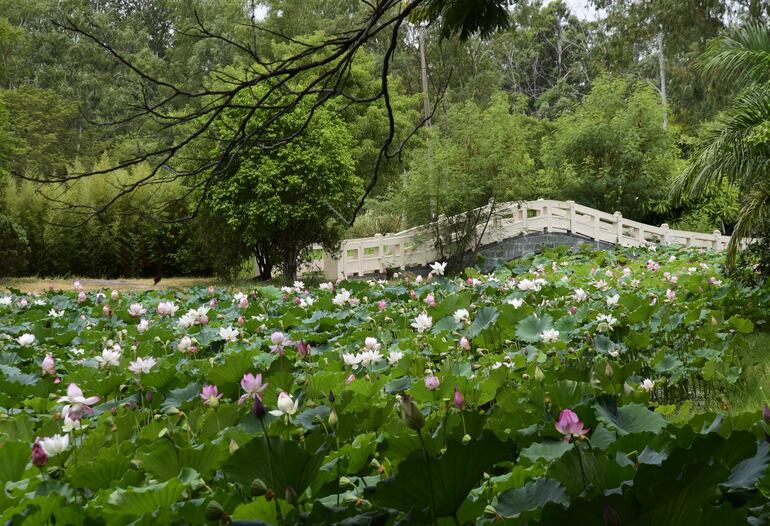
(515, 247)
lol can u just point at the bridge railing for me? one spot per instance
(414, 247)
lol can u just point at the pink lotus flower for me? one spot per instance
(349, 380)
(303, 349)
(570, 425)
(465, 344)
(252, 385)
(106, 311)
(430, 300)
(243, 303)
(431, 382)
(76, 402)
(39, 456)
(382, 304)
(213, 303)
(49, 366)
(458, 400)
(670, 294)
(279, 340)
(241, 321)
(81, 296)
(210, 395)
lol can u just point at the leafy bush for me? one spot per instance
(14, 248)
(611, 151)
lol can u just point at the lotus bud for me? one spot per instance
(331, 397)
(410, 413)
(766, 413)
(608, 370)
(466, 438)
(114, 295)
(258, 488)
(610, 516)
(458, 400)
(382, 304)
(258, 408)
(465, 344)
(539, 375)
(215, 511)
(241, 321)
(333, 418)
(291, 495)
(39, 456)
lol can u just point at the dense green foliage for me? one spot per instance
(561, 388)
(735, 147)
(540, 102)
(286, 200)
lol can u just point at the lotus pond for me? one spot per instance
(583, 388)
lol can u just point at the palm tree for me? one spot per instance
(736, 145)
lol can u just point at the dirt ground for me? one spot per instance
(42, 285)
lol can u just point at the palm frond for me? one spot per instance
(743, 58)
(753, 218)
(465, 17)
(725, 150)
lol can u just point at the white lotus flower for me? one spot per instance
(438, 268)
(229, 334)
(422, 322)
(526, 284)
(370, 358)
(515, 302)
(549, 335)
(353, 360)
(70, 425)
(286, 405)
(186, 321)
(394, 357)
(461, 316)
(55, 444)
(306, 302)
(609, 319)
(142, 365)
(167, 308)
(184, 344)
(54, 313)
(136, 310)
(6, 301)
(299, 286)
(326, 286)
(26, 340)
(580, 295)
(143, 326)
(371, 343)
(647, 385)
(341, 298)
(239, 297)
(109, 358)
(613, 300)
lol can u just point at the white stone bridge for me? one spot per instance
(415, 247)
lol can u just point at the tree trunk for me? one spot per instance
(424, 76)
(662, 67)
(264, 264)
(290, 263)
